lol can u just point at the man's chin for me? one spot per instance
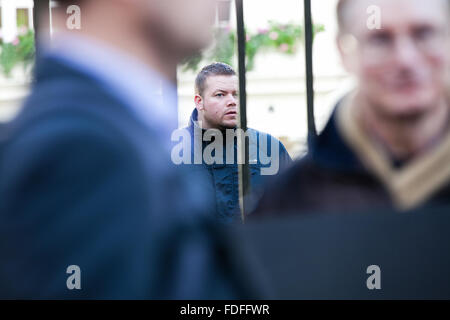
(405, 110)
(229, 125)
(408, 104)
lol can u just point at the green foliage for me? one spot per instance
(20, 51)
(282, 38)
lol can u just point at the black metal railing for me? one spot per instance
(309, 34)
(244, 171)
(243, 143)
(41, 8)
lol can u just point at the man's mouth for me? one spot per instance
(231, 113)
(406, 83)
(407, 86)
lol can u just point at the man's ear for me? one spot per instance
(198, 102)
(347, 46)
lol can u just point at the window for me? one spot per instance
(223, 12)
(23, 18)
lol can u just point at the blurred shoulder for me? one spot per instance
(288, 190)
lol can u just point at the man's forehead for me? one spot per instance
(395, 12)
(222, 82)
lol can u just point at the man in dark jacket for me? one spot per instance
(213, 147)
(387, 144)
(91, 207)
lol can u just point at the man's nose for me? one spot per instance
(406, 52)
(232, 101)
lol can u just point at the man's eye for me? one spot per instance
(219, 95)
(380, 39)
(424, 33)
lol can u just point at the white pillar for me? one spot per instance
(31, 16)
(9, 19)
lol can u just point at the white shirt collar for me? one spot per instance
(130, 80)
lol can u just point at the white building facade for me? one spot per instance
(15, 14)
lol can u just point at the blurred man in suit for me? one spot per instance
(387, 144)
(91, 205)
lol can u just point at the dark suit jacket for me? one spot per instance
(83, 182)
(223, 178)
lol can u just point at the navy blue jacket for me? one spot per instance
(223, 177)
(83, 182)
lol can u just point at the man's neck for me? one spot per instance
(408, 137)
(207, 126)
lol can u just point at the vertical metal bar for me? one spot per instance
(312, 132)
(41, 10)
(36, 22)
(243, 143)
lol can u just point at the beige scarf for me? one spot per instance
(409, 186)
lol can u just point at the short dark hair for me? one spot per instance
(213, 69)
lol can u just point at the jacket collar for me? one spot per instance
(330, 150)
(193, 120)
(254, 135)
(150, 95)
(193, 123)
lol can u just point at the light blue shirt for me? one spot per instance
(125, 77)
